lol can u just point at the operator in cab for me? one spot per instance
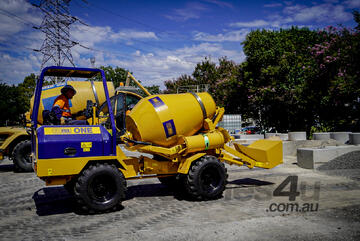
(61, 107)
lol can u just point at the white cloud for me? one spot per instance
(234, 36)
(89, 36)
(192, 10)
(155, 68)
(328, 12)
(352, 3)
(133, 34)
(220, 3)
(16, 16)
(272, 5)
(251, 24)
(14, 69)
(323, 13)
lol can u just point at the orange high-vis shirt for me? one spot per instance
(63, 103)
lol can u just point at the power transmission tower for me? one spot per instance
(56, 47)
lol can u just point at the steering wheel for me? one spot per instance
(88, 112)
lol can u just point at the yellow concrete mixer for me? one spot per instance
(188, 151)
(186, 124)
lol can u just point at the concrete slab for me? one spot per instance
(245, 141)
(310, 157)
(321, 136)
(297, 135)
(354, 138)
(290, 147)
(282, 136)
(252, 136)
(342, 137)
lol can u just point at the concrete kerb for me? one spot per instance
(321, 136)
(309, 158)
(354, 138)
(282, 136)
(297, 136)
(342, 137)
(290, 147)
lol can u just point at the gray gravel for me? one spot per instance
(347, 165)
(350, 160)
(31, 211)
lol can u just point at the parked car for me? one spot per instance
(251, 130)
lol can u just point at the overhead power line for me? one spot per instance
(16, 17)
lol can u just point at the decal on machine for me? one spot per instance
(71, 130)
(156, 102)
(169, 128)
(86, 146)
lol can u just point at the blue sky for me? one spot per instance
(156, 40)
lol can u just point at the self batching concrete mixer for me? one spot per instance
(178, 130)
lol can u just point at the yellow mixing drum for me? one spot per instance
(86, 90)
(164, 119)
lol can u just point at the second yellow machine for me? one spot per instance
(178, 130)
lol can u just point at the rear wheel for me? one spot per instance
(21, 156)
(206, 179)
(100, 188)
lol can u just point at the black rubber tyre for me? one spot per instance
(100, 188)
(206, 179)
(21, 156)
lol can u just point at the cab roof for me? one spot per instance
(60, 71)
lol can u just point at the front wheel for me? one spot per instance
(206, 179)
(100, 188)
(21, 156)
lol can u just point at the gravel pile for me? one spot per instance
(349, 160)
(347, 165)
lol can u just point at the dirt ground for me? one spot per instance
(329, 209)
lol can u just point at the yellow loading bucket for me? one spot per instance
(164, 119)
(266, 153)
(84, 92)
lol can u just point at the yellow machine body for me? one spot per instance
(85, 90)
(163, 119)
(193, 134)
(204, 142)
(10, 136)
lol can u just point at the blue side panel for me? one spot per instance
(48, 102)
(48, 87)
(56, 146)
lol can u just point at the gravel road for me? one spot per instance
(247, 211)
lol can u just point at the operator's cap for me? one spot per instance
(66, 88)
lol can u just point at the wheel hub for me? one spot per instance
(102, 189)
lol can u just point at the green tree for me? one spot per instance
(115, 75)
(173, 85)
(153, 89)
(26, 89)
(275, 75)
(338, 64)
(11, 105)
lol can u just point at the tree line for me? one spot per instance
(292, 79)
